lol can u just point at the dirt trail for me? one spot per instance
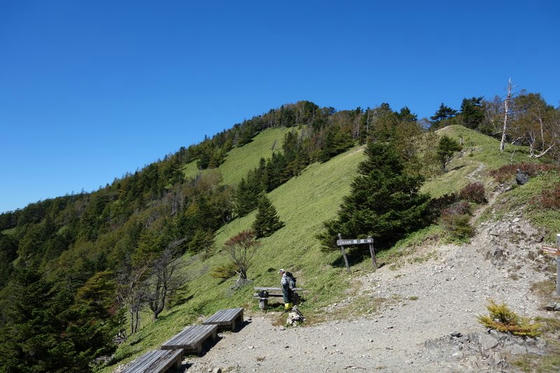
(419, 316)
(430, 300)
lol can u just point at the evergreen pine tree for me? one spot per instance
(472, 112)
(32, 334)
(384, 202)
(267, 220)
(446, 148)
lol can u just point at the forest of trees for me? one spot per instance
(76, 271)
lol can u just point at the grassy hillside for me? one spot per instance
(239, 161)
(303, 204)
(479, 155)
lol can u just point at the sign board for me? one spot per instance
(357, 241)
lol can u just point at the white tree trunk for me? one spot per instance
(506, 112)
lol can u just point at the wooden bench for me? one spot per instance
(192, 338)
(231, 318)
(263, 293)
(155, 361)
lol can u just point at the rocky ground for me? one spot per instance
(420, 315)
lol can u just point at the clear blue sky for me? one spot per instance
(92, 89)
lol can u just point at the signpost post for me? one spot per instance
(555, 251)
(353, 242)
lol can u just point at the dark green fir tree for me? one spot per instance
(384, 202)
(446, 148)
(267, 220)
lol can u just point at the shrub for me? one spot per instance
(456, 221)
(505, 173)
(437, 205)
(458, 226)
(241, 249)
(504, 320)
(224, 271)
(550, 199)
(474, 192)
(458, 208)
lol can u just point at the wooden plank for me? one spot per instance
(258, 288)
(191, 338)
(232, 317)
(155, 361)
(224, 316)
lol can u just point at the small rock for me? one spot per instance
(487, 342)
(517, 349)
(552, 307)
(457, 355)
(286, 346)
(456, 334)
(324, 347)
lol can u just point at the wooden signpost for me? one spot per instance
(555, 251)
(356, 241)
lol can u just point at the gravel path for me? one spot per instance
(438, 292)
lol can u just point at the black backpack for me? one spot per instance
(292, 279)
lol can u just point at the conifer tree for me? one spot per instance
(267, 220)
(446, 148)
(384, 202)
(32, 330)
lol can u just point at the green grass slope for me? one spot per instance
(241, 160)
(303, 203)
(480, 154)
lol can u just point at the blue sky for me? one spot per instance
(90, 90)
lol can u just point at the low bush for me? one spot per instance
(437, 205)
(458, 208)
(505, 173)
(224, 271)
(550, 199)
(504, 320)
(474, 192)
(457, 225)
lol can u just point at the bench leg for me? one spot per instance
(263, 303)
(179, 362)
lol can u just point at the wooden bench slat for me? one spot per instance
(190, 337)
(258, 288)
(224, 316)
(228, 317)
(154, 361)
(137, 364)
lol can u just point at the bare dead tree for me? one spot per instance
(132, 293)
(506, 113)
(163, 281)
(242, 248)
